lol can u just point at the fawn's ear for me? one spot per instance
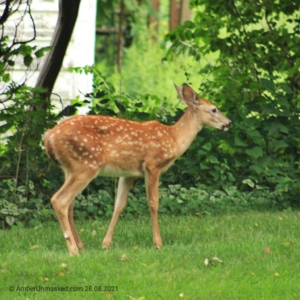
(179, 91)
(190, 96)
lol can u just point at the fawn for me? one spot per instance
(91, 145)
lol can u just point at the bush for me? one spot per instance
(22, 205)
(254, 79)
(29, 208)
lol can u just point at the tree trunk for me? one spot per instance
(174, 13)
(121, 35)
(154, 19)
(68, 11)
(186, 13)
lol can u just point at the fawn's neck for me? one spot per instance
(185, 130)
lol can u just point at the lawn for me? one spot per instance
(253, 255)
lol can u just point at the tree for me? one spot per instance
(174, 14)
(16, 98)
(26, 110)
(179, 12)
(255, 77)
(154, 19)
(68, 12)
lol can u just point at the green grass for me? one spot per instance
(260, 254)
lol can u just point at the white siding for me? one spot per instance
(80, 51)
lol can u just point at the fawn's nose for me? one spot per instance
(225, 127)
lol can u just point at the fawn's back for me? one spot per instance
(116, 146)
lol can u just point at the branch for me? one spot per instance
(6, 12)
(14, 42)
(27, 10)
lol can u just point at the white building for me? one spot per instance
(80, 51)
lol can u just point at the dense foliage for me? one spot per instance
(256, 79)
(247, 61)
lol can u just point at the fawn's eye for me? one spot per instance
(214, 110)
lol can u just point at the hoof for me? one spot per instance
(105, 246)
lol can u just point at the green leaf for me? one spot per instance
(269, 85)
(255, 152)
(25, 50)
(5, 127)
(283, 101)
(6, 77)
(84, 202)
(11, 63)
(41, 52)
(10, 220)
(27, 60)
(4, 211)
(203, 166)
(249, 182)
(207, 146)
(239, 142)
(250, 121)
(212, 159)
(21, 189)
(189, 24)
(279, 144)
(120, 106)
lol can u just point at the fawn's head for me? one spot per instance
(208, 113)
